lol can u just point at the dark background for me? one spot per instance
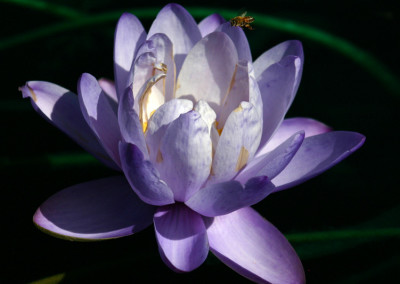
(358, 195)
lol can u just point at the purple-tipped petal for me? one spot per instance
(61, 108)
(208, 70)
(181, 237)
(129, 35)
(128, 120)
(272, 163)
(95, 210)
(143, 177)
(254, 248)
(239, 40)
(185, 155)
(277, 86)
(290, 126)
(159, 122)
(99, 114)
(237, 144)
(210, 24)
(223, 198)
(317, 154)
(180, 27)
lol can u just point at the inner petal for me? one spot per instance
(150, 100)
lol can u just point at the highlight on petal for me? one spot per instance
(99, 114)
(208, 70)
(254, 248)
(95, 210)
(317, 154)
(60, 107)
(239, 39)
(210, 24)
(129, 35)
(223, 198)
(181, 237)
(289, 127)
(186, 155)
(180, 27)
(277, 85)
(272, 163)
(159, 122)
(206, 113)
(129, 123)
(143, 177)
(237, 144)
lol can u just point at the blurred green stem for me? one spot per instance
(47, 7)
(342, 235)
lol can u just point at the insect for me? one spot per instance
(242, 21)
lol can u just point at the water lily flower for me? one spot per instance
(198, 131)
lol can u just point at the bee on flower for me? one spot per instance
(242, 21)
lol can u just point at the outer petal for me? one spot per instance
(128, 120)
(181, 237)
(277, 86)
(317, 154)
(180, 27)
(129, 35)
(271, 164)
(254, 248)
(99, 114)
(210, 24)
(95, 210)
(186, 155)
(289, 127)
(143, 177)
(61, 107)
(239, 39)
(223, 198)
(276, 54)
(208, 69)
(237, 144)
(159, 122)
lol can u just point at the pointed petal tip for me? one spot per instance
(25, 91)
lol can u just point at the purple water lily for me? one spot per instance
(198, 130)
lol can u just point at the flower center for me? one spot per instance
(153, 95)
